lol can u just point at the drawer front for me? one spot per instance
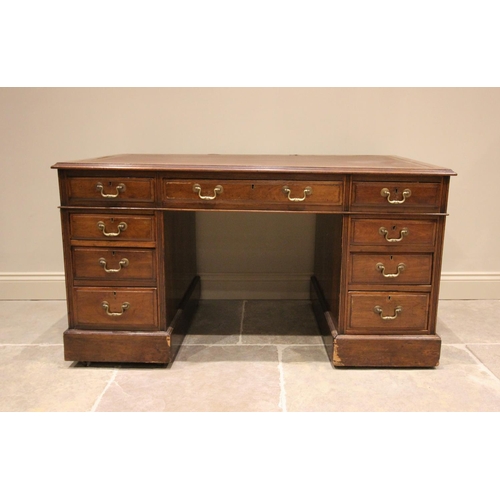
(387, 312)
(112, 228)
(119, 308)
(109, 190)
(394, 196)
(290, 194)
(390, 269)
(393, 232)
(113, 265)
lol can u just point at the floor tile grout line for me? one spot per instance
(255, 345)
(30, 345)
(478, 360)
(475, 343)
(240, 340)
(110, 381)
(282, 400)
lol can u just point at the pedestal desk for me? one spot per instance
(128, 226)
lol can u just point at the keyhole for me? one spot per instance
(393, 228)
(253, 186)
(389, 297)
(113, 253)
(112, 219)
(114, 293)
(391, 255)
(396, 190)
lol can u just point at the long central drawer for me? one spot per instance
(287, 194)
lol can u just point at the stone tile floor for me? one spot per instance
(248, 356)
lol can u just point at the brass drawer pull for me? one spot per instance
(217, 190)
(121, 264)
(387, 194)
(119, 189)
(380, 267)
(378, 310)
(105, 306)
(384, 232)
(121, 227)
(307, 192)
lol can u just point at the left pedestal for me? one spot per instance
(131, 280)
(134, 346)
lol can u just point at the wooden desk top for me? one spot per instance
(313, 164)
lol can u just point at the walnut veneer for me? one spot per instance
(128, 225)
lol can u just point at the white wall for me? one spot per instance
(451, 127)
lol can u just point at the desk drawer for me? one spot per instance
(390, 269)
(393, 232)
(113, 265)
(387, 312)
(396, 195)
(116, 308)
(206, 193)
(116, 227)
(111, 190)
